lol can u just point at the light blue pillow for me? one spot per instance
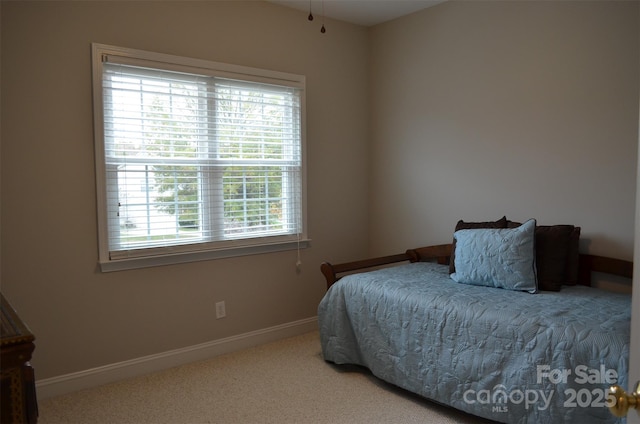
(500, 257)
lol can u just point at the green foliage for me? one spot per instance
(180, 183)
(252, 198)
(252, 195)
(169, 137)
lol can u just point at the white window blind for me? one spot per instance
(196, 158)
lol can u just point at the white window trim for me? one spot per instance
(181, 254)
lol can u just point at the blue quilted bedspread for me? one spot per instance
(504, 355)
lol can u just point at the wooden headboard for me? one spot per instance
(441, 254)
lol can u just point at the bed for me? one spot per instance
(508, 353)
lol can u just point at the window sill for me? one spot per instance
(179, 258)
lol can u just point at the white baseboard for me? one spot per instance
(94, 377)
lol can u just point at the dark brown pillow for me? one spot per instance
(573, 258)
(556, 255)
(552, 253)
(461, 225)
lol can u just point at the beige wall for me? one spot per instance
(479, 109)
(83, 318)
(528, 109)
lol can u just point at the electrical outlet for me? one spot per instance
(221, 310)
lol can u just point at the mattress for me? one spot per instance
(505, 355)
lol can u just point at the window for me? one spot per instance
(195, 159)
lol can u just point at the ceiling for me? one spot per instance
(360, 12)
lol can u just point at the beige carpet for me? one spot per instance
(281, 382)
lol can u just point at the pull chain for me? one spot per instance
(310, 17)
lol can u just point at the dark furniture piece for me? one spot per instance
(17, 384)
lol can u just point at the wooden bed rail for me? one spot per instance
(442, 253)
(439, 253)
(593, 263)
(331, 272)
